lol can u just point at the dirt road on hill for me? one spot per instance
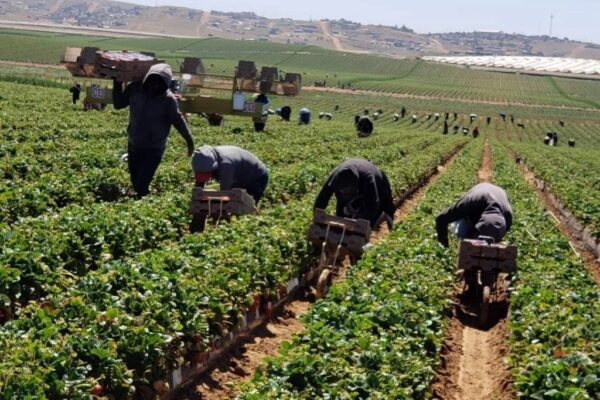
(326, 29)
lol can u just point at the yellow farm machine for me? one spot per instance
(192, 78)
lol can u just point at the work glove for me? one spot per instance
(443, 239)
(389, 220)
(442, 232)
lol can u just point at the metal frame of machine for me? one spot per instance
(126, 66)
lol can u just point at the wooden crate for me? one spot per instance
(234, 202)
(192, 65)
(80, 61)
(269, 74)
(91, 62)
(479, 254)
(246, 70)
(356, 235)
(125, 66)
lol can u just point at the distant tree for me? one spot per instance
(405, 29)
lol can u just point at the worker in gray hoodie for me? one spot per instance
(153, 110)
(232, 167)
(484, 210)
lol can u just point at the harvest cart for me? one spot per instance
(482, 261)
(218, 205)
(335, 238)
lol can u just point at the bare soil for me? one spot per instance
(325, 28)
(472, 363)
(29, 64)
(486, 171)
(221, 382)
(204, 19)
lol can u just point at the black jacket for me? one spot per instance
(373, 187)
(483, 201)
(151, 117)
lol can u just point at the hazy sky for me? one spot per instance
(575, 19)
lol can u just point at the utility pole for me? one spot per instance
(551, 22)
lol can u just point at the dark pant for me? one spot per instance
(257, 190)
(259, 126)
(142, 166)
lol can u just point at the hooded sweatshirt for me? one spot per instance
(372, 188)
(232, 167)
(151, 116)
(485, 206)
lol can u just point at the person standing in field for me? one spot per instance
(75, 92)
(261, 122)
(153, 110)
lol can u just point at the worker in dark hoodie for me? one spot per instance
(362, 191)
(482, 211)
(153, 110)
(232, 167)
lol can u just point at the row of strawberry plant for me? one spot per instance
(555, 308)
(571, 174)
(377, 334)
(201, 285)
(49, 162)
(78, 238)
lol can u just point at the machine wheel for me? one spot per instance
(484, 310)
(323, 283)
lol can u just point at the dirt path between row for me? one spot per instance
(222, 381)
(29, 64)
(472, 363)
(361, 92)
(486, 172)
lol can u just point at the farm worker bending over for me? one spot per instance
(483, 210)
(304, 116)
(232, 167)
(362, 191)
(364, 125)
(152, 110)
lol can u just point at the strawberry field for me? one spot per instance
(106, 296)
